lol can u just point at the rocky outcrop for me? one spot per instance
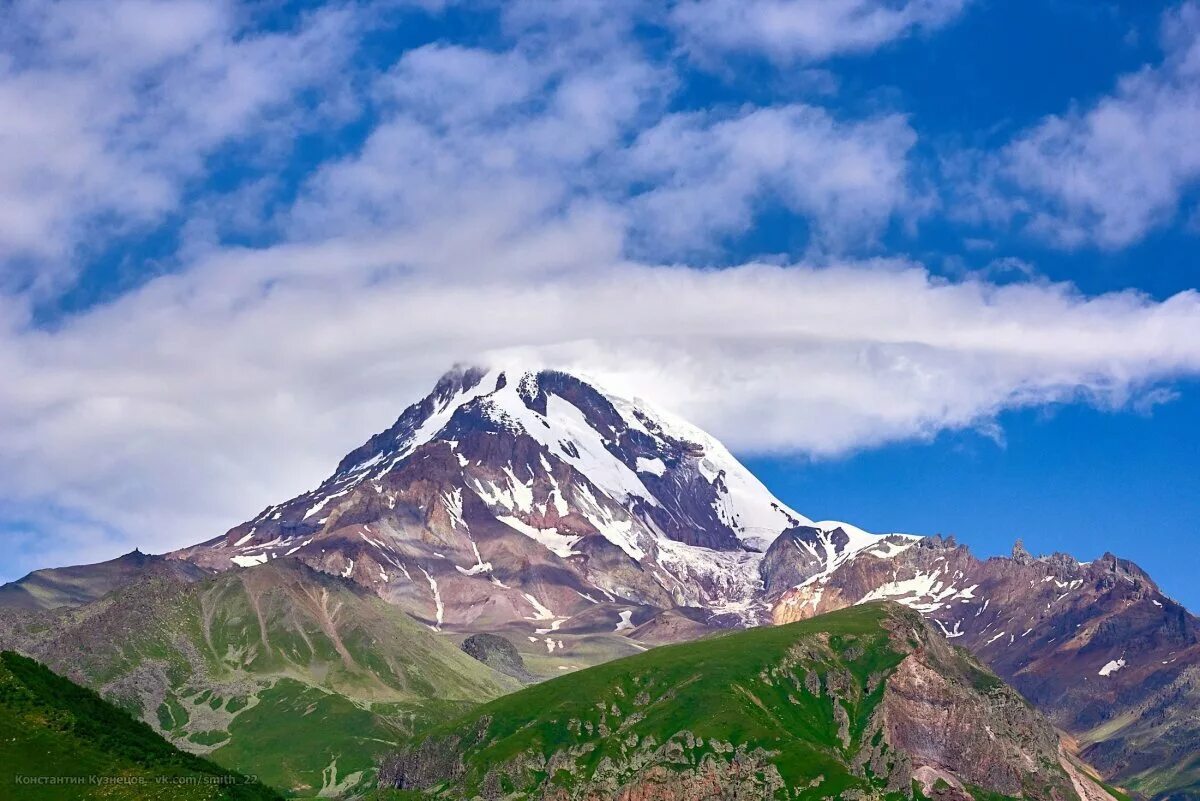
(790, 560)
(498, 654)
(949, 715)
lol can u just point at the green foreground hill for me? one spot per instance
(862, 703)
(297, 677)
(60, 741)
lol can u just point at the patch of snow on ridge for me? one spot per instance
(480, 566)
(454, 508)
(626, 621)
(950, 634)
(1112, 667)
(436, 421)
(540, 612)
(618, 532)
(323, 500)
(249, 561)
(561, 545)
(925, 592)
(522, 492)
(888, 550)
(571, 438)
(858, 541)
(655, 465)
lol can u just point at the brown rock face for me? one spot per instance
(986, 739)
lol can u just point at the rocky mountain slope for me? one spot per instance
(1096, 646)
(279, 671)
(50, 727)
(863, 703)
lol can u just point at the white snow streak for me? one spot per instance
(437, 597)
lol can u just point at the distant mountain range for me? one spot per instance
(579, 526)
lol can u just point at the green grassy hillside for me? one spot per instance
(292, 675)
(846, 705)
(67, 734)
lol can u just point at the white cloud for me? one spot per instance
(1109, 173)
(709, 175)
(108, 107)
(525, 133)
(804, 30)
(515, 131)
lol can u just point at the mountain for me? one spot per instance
(861, 703)
(295, 676)
(81, 584)
(1096, 646)
(533, 503)
(517, 496)
(55, 729)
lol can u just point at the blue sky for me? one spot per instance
(927, 265)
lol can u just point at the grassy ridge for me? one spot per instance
(852, 704)
(51, 727)
(705, 698)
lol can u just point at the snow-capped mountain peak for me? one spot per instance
(620, 445)
(543, 493)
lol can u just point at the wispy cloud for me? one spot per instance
(1107, 173)
(707, 175)
(804, 30)
(108, 108)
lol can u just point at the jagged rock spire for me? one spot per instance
(1019, 554)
